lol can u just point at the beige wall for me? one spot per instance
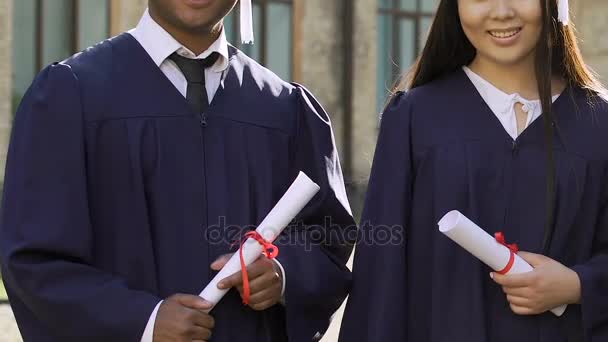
(322, 59)
(365, 117)
(6, 37)
(126, 14)
(321, 56)
(591, 18)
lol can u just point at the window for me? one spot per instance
(402, 30)
(47, 31)
(273, 26)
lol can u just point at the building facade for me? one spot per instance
(348, 52)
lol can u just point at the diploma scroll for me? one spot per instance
(483, 246)
(301, 191)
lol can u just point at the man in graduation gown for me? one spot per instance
(136, 164)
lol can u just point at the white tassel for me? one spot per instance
(563, 12)
(246, 22)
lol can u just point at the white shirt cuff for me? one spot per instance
(148, 335)
(282, 277)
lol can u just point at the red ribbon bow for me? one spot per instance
(513, 248)
(270, 251)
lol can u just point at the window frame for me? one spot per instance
(264, 30)
(74, 37)
(396, 14)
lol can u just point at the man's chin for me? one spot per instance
(199, 24)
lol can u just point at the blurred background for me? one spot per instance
(348, 53)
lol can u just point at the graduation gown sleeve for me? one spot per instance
(594, 281)
(317, 279)
(47, 236)
(376, 308)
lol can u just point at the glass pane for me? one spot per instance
(429, 6)
(254, 51)
(425, 26)
(278, 40)
(385, 4)
(230, 29)
(93, 17)
(24, 48)
(407, 5)
(385, 61)
(407, 41)
(58, 30)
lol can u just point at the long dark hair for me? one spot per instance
(557, 54)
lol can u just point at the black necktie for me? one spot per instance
(194, 71)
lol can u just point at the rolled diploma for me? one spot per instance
(482, 245)
(301, 191)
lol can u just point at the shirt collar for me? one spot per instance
(159, 44)
(500, 102)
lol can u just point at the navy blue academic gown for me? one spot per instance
(118, 195)
(441, 148)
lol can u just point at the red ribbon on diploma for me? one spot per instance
(500, 238)
(270, 251)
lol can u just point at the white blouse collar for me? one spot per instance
(503, 104)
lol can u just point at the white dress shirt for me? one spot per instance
(503, 104)
(159, 44)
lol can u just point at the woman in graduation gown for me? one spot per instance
(468, 134)
(120, 194)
